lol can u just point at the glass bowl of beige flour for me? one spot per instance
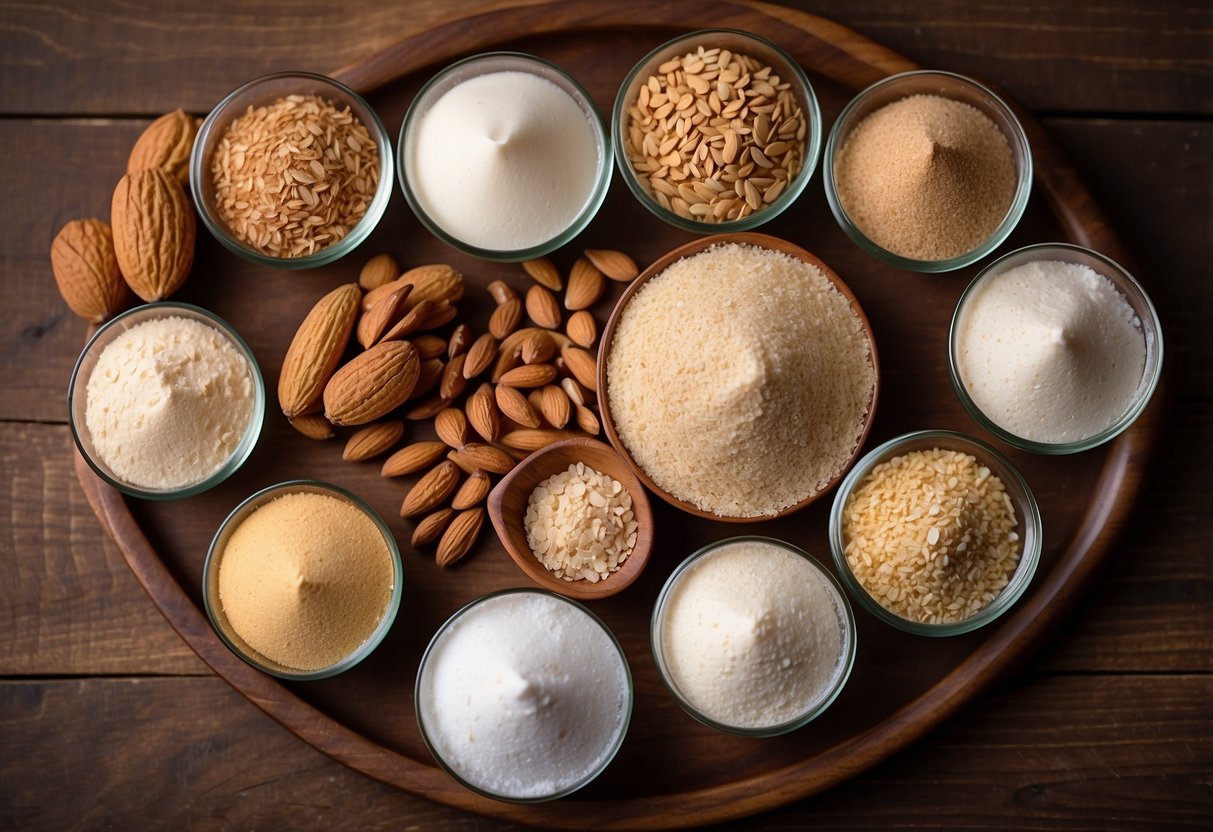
(166, 401)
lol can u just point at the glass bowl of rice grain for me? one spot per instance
(291, 170)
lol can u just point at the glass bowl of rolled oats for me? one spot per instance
(291, 170)
(717, 130)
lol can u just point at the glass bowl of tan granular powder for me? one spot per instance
(928, 171)
(302, 580)
(166, 401)
(738, 376)
(935, 533)
(292, 170)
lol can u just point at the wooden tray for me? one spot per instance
(671, 771)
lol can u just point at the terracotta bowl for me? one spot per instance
(762, 241)
(508, 501)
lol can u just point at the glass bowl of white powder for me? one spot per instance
(1055, 349)
(753, 637)
(504, 156)
(524, 696)
(166, 401)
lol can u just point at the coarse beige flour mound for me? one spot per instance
(739, 379)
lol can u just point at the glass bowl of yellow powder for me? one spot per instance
(928, 171)
(935, 533)
(302, 580)
(166, 401)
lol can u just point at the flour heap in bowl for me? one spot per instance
(740, 380)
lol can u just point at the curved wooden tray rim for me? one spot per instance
(1015, 638)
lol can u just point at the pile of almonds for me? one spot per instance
(148, 246)
(493, 397)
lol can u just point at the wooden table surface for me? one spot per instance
(107, 719)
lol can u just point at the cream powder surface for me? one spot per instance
(168, 403)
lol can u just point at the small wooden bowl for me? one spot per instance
(694, 247)
(508, 501)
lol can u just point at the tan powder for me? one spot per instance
(926, 177)
(305, 579)
(739, 379)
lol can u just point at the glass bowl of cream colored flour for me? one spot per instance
(1055, 349)
(524, 696)
(753, 637)
(166, 401)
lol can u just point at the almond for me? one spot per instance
(453, 383)
(482, 414)
(473, 491)
(166, 144)
(428, 377)
(477, 456)
(428, 409)
(373, 384)
(555, 406)
(153, 227)
(316, 350)
(586, 420)
(436, 282)
(614, 264)
(529, 439)
(410, 323)
(586, 285)
(506, 361)
(529, 375)
(86, 270)
(376, 320)
(581, 364)
(373, 296)
(429, 346)
(501, 292)
(514, 406)
(543, 272)
(442, 313)
(573, 389)
(313, 426)
(582, 329)
(452, 427)
(505, 318)
(538, 348)
(461, 341)
(431, 490)
(373, 440)
(378, 271)
(459, 537)
(480, 356)
(542, 308)
(431, 526)
(413, 458)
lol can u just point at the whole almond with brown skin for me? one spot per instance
(459, 537)
(373, 296)
(478, 456)
(436, 282)
(473, 491)
(614, 264)
(373, 384)
(515, 407)
(313, 426)
(153, 226)
(586, 420)
(166, 144)
(86, 270)
(413, 458)
(316, 350)
(482, 414)
(505, 318)
(410, 322)
(582, 329)
(543, 272)
(376, 320)
(555, 406)
(586, 285)
(429, 346)
(538, 348)
(581, 364)
(428, 377)
(453, 383)
(480, 356)
(443, 312)
(431, 490)
(373, 440)
(427, 409)
(529, 439)
(451, 425)
(378, 271)
(530, 375)
(431, 526)
(542, 308)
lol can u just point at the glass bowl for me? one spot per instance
(815, 706)
(947, 85)
(1027, 518)
(742, 43)
(214, 557)
(502, 652)
(474, 67)
(1128, 288)
(77, 398)
(263, 91)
